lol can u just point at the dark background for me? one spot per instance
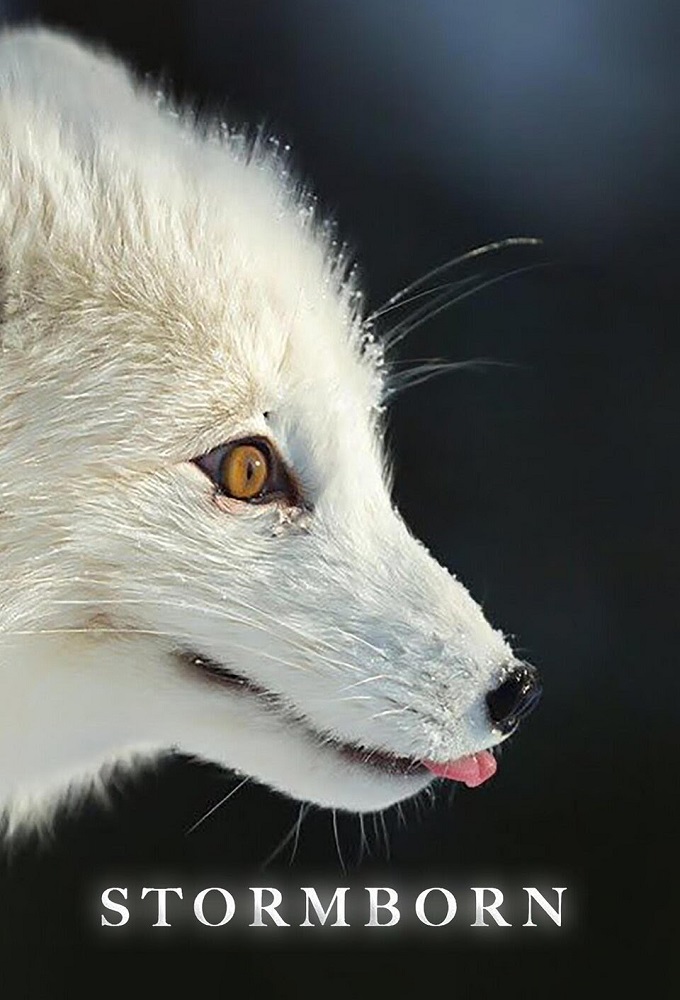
(428, 128)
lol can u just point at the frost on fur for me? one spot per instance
(167, 291)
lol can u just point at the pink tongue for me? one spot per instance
(472, 771)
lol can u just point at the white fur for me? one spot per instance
(164, 290)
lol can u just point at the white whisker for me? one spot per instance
(217, 805)
(476, 252)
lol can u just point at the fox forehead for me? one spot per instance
(218, 322)
(160, 271)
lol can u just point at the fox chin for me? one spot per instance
(199, 547)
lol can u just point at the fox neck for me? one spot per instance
(70, 706)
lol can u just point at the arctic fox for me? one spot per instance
(199, 548)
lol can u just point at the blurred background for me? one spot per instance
(427, 129)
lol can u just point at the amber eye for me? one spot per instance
(244, 471)
(250, 470)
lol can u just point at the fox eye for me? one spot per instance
(244, 471)
(249, 470)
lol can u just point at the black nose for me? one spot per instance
(514, 698)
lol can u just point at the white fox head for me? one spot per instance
(199, 549)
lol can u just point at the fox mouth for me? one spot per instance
(471, 770)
